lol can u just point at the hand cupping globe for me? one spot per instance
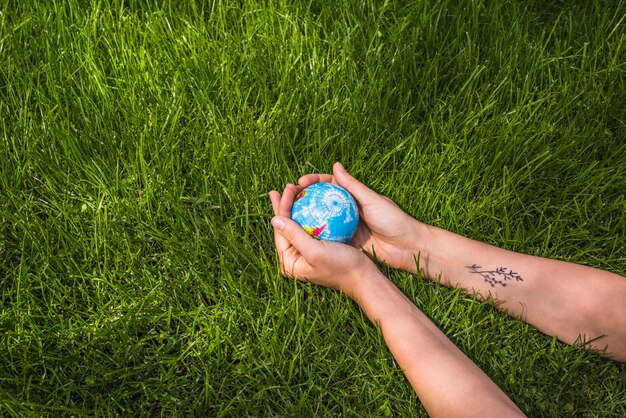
(327, 212)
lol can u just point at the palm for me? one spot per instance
(337, 257)
(383, 232)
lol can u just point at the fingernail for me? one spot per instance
(278, 222)
(340, 167)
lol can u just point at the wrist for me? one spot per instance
(418, 253)
(382, 301)
(367, 277)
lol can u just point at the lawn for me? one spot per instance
(139, 140)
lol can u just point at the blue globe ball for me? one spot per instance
(327, 212)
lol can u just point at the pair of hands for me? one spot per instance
(384, 231)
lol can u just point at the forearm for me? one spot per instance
(446, 381)
(572, 302)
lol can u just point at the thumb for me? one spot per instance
(360, 191)
(294, 233)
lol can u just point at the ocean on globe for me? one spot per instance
(326, 212)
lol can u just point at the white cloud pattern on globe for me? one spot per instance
(326, 212)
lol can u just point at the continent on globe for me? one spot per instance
(326, 212)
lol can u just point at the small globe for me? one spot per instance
(327, 212)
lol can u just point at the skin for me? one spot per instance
(431, 362)
(577, 304)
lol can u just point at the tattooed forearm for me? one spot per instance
(499, 276)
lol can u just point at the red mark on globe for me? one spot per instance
(315, 232)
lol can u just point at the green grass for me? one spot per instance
(138, 141)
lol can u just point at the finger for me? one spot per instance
(284, 209)
(279, 241)
(295, 235)
(284, 270)
(286, 202)
(361, 192)
(288, 266)
(281, 244)
(307, 180)
(275, 199)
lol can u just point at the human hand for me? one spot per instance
(385, 230)
(301, 256)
